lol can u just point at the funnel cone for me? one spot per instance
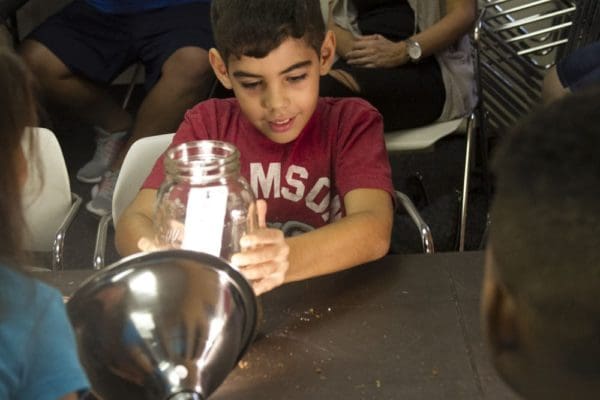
(164, 325)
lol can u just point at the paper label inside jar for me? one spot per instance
(204, 219)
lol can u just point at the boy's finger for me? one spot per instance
(261, 271)
(263, 254)
(262, 237)
(261, 211)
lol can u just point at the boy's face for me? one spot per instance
(277, 93)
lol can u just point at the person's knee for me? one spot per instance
(189, 66)
(41, 61)
(552, 87)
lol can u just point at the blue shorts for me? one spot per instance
(580, 69)
(99, 46)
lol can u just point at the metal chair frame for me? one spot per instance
(519, 41)
(52, 171)
(132, 174)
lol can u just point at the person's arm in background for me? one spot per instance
(458, 21)
(376, 51)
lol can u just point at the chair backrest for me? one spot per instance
(47, 193)
(137, 164)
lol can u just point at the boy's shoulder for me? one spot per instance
(346, 105)
(346, 110)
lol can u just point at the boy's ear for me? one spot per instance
(219, 67)
(327, 53)
(499, 312)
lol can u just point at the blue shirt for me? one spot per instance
(136, 6)
(38, 353)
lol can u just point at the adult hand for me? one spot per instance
(375, 51)
(264, 260)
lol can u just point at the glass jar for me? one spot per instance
(204, 204)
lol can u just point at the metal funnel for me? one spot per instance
(165, 325)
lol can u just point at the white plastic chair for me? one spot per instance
(48, 203)
(421, 138)
(137, 164)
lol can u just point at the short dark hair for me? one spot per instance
(545, 232)
(254, 28)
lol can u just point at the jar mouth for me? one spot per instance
(202, 159)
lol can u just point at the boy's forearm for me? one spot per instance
(351, 241)
(131, 228)
(135, 223)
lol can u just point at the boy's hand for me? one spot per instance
(264, 260)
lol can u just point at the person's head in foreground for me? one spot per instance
(272, 54)
(541, 312)
(38, 357)
(18, 112)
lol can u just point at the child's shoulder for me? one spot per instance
(347, 109)
(346, 105)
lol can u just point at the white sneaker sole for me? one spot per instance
(96, 211)
(84, 179)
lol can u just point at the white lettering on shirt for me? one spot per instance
(273, 177)
(311, 202)
(293, 188)
(295, 183)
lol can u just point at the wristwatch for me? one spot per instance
(414, 50)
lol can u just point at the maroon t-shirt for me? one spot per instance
(341, 148)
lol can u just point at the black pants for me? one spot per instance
(408, 96)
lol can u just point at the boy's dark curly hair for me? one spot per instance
(254, 28)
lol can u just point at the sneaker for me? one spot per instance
(102, 193)
(108, 146)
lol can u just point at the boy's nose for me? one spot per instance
(275, 98)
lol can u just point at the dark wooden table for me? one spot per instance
(404, 327)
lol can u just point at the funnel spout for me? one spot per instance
(186, 396)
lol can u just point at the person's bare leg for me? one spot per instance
(185, 80)
(552, 88)
(90, 102)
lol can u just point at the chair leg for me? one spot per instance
(486, 232)
(483, 144)
(466, 176)
(100, 247)
(136, 71)
(424, 231)
(58, 246)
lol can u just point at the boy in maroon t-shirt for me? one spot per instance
(319, 163)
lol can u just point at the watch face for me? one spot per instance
(414, 50)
